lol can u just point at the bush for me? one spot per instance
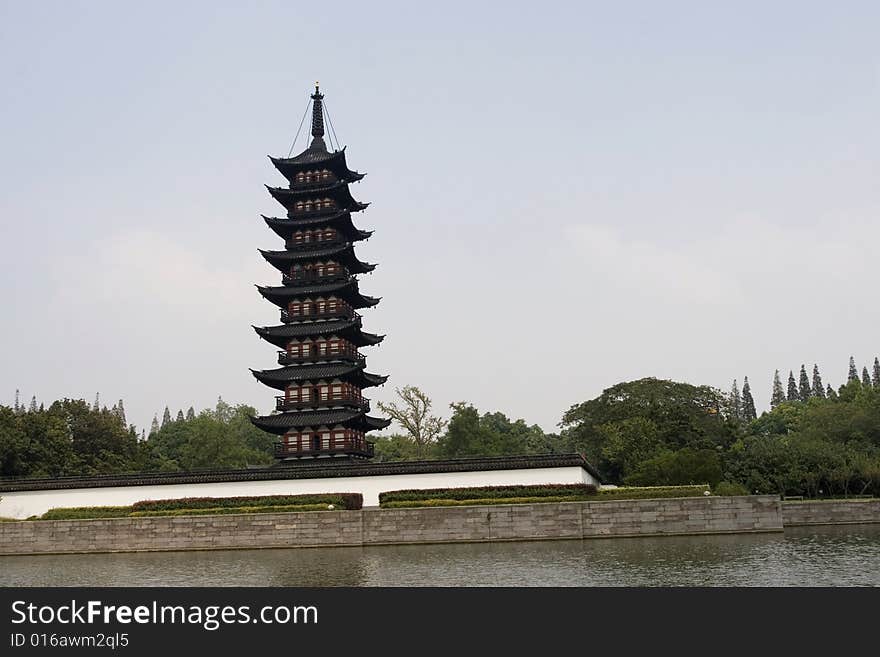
(86, 513)
(488, 492)
(350, 501)
(400, 504)
(227, 510)
(651, 492)
(727, 488)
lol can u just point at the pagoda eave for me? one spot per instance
(280, 423)
(281, 377)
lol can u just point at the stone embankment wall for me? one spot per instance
(831, 512)
(709, 515)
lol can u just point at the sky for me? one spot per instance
(564, 195)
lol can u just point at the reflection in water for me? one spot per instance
(817, 556)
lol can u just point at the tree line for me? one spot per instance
(814, 441)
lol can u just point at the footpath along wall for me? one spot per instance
(673, 516)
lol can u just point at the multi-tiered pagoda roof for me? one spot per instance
(322, 412)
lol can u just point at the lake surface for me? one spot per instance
(809, 556)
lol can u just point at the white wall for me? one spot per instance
(24, 504)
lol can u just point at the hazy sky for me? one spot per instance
(564, 195)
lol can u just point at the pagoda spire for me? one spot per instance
(318, 119)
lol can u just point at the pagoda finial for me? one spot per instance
(318, 118)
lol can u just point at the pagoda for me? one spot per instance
(322, 412)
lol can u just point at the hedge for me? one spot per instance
(488, 492)
(227, 509)
(86, 513)
(402, 504)
(650, 492)
(351, 501)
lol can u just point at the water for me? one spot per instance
(815, 556)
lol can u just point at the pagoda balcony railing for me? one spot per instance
(314, 184)
(361, 448)
(310, 245)
(350, 355)
(304, 276)
(282, 403)
(314, 212)
(345, 312)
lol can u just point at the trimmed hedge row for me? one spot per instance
(86, 513)
(402, 504)
(350, 501)
(649, 492)
(211, 506)
(487, 492)
(221, 510)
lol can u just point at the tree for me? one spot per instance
(778, 395)
(853, 372)
(804, 390)
(166, 417)
(818, 388)
(179, 417)
(120, 412)
(875, 380)
(154, 427)
(830, 393)
(18, 407)
(792, 388)
(866, 378)
(190, 414)
(684, 416)
(736, 403)
(97, 405)
(413, 414)
(33, 405)
(686, 466)
(749, 412)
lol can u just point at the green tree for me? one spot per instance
(778, 394)
(866, 378)
(749, 412)
(792, 388)
(736, 404)
(686, 466)
(804, 389)
(853, 372)
(166, 417)
(830, 393)
(191, 413)
(684, 416)
(818, 388)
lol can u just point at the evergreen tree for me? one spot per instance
(143, 435)
(179, 417)
(792, 388)
(853, 372)
(736, 403)
(120, 412)
(875, 380)
(166, 417)
(18, 407)
(748, 403)
(866, 378)
(818, 388)
(830, 392)
(804, 390)
(154, 427)
(191, 413)
(778, 395)
(33, 407)
(97, 405)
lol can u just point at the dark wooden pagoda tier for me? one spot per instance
(322, 413)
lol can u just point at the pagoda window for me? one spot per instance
(337, 391)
